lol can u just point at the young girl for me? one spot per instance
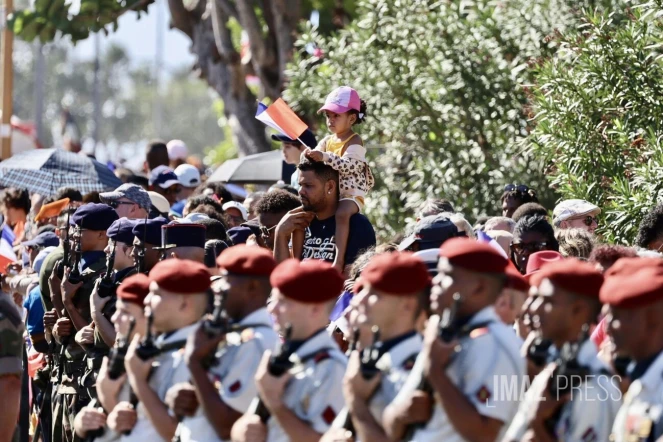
(345, 152)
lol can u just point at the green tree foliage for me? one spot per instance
(445, 104)
(599, 116)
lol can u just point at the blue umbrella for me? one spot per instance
(44, 171)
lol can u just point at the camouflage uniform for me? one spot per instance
(11, 341)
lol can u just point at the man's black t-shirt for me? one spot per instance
(320, 242)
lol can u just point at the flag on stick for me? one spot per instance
(281, 118)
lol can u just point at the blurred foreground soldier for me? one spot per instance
(73, 305)
(11, 353)
(147, 238)
(394, 285)
(111, 392)
(183, 241)
(633, 289)
(469, 404)
(575, 398)
(176, 302)
(219, 397)
(302, 403)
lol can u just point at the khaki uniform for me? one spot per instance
(11, 339)
(489, 356)
(234, 374)
(640, 418)
(314, 393)
(588, 416)
(170, 369)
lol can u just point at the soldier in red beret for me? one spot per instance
(633, 289)
(305, 401)
(395, 291)
(470, 277)
(114, 394)
(213, 401)
(177, 301)
(566, 303)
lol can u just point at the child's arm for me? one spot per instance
(353, 160)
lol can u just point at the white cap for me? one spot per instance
(192, 218)
(177, 150)
(160, 202)
(238, 206)
(573, 208)
(188, 175)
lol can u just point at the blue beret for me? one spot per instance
(94, 217)
(43, 240)
(239, 235)
(183, 235)
(122, 230)
(149, 231)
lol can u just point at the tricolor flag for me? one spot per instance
(482, 236)
(7, 255)
(281, 118)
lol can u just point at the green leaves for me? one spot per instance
(599, 116)
(49, 18)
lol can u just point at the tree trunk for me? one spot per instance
(220, 64)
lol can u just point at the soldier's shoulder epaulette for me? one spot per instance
(478, 332)
(247, 334)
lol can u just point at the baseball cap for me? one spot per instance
(238, 206)
(430, 257)
(132, 192)
(159, 201)
(307, 138)
(177, 150)
(430, 232)
(568, 209)
(342, 100)
(192, 218)
(43, 240)
(41, 257)
(163, 177)
(188, 175)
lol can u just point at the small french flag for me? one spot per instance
(281, 118)
(7, 255)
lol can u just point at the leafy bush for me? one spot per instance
(443, 85)
(599, 116)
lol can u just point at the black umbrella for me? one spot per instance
(44, 171)
(261, 168)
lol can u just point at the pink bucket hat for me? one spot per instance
(342, 100)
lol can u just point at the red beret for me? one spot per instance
(181, 276)
(537, 260)
(396, 273)
(134, 289)
(572, 275)
(312, 281)
(515, 280)
(247, 260)
(473, 255)
(629, 287)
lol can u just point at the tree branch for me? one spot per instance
(251, 24)
(222, 37)
(228, 9)
(180, 17)
(286, 14)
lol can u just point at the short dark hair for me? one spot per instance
(277, 201)
(529, 209)
(156, 154)
(212, 212)
(537, 223)
(435, 206)
(606, 255)
(215, 229)
(68, 192)
(92, 197)
(218, 188)
(16, 198)
(321, 170)
(199, 200)
(651, 227)
(283, 186)
(124, 174)
(139, 180)
(523, 197)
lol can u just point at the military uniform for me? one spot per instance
(234, 373)
(588, 416)
(11, 339)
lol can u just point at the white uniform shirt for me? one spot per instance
(234, 374)
(588, 416)
(171, 370)
(641, 413)
(395, 366)
(315, 392)
(488, 364)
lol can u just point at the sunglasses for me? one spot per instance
(521, 248)
(517, 187)
(589, 220)
(265, 231)
(116, 204)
